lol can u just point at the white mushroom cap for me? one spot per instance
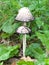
(24, 15)
(23, 30)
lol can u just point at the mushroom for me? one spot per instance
(23, 30)
(24, 15)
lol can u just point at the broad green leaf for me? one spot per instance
(35, 50)
(7, 52)
(44, 39)
(22, 62)
(47, 61)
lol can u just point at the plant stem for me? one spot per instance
(24, 44)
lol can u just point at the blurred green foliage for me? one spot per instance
(22, 62)
(34, 50)
(1, 63)
(40, 25)
(7, 52)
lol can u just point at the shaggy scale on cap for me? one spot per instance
(24, 15)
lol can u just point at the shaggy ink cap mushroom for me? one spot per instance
(23, 30)
(24, 15)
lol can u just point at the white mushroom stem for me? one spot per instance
(24, 41)
(24, 23)
(24, 44)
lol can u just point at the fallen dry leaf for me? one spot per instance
(28, 59)
(13, 63)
